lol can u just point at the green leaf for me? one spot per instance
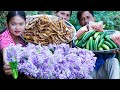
(15, 73)
(13, 66)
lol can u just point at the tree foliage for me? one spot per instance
(111, 19)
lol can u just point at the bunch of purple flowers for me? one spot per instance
(53, 61)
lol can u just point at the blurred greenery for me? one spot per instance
(111, 19)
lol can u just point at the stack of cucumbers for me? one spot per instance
(95, 40)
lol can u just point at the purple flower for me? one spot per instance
(11, 53)
(53, 61)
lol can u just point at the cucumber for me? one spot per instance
(107, 36)
(93, 43)
(100, 48)
(96, 42)
(81, 36)
(105, 47)
(112, 42)
(87, 35)
(84, 44)
(96, 34)
(101, 42)
(76, 41)
(79, 44)
(108, 44)
(90, 43)
(103, 35)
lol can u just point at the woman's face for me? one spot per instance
(64, 14)
(16, 25)
(85, 18)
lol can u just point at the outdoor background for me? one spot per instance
(111, 19)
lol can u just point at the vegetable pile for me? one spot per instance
(96, 40)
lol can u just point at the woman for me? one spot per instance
(15, 26)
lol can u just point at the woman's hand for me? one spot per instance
(116, 39)
(117, 51)
(7, 69)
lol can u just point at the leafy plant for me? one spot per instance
(110, 19)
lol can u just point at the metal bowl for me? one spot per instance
(52, 17)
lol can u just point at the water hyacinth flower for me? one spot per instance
(11, 57)
(53, 61)
(11, 54)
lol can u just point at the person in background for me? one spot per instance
(15, 26)
(106, 66)
(64, 14)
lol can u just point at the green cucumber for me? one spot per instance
(96, 42)
(103, 35)
(76, 41)
(87, 35)
(91, 43)
(105, 47)
(79, 44)
(81, 36)
(112, 42)
(96, 34)
(101, 42)
(107, 36)
(84, 44)
(108, 44)
(88, 45)
(100, 48)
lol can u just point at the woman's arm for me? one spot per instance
(6, 66)
(4, 56)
